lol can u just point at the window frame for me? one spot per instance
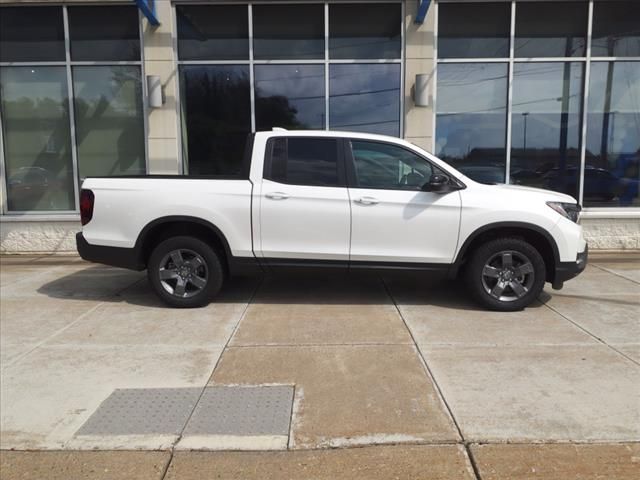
(340, 160)
(587, 59)
(350, 165)
(68, 64)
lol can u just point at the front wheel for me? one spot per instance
(185, 272)
(505, 274)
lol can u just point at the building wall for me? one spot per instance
(44, 235)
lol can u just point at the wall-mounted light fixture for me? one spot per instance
(421, 90)
(154, 91)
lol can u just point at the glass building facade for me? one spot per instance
(545, 94)
(538, 93)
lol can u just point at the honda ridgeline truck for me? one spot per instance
(332, 199)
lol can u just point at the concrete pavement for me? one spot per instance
(403, 368)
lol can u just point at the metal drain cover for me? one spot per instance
(142, 411)
(242, 411)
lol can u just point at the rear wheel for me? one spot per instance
(505, 274)
(185, 272)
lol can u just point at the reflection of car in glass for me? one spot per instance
(599, 183)
(30, 184)
(489, 175)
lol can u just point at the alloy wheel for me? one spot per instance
(183, 273)
(508, 275)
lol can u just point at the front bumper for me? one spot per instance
(568, 270)
(114, 256)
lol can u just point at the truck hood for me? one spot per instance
(547, 195)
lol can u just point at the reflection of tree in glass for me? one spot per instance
(275, 111)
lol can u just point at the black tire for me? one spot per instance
(190, 279)
(506, 285)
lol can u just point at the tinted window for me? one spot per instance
(288, 31)
(546, 125)
(304, 161)
(471, 121)
(216, 118)
(376, 33)
(213, 33)
(289, 96)
(384, 166)
(612, 172)
(104, 33)
(31, 34)
(365, 98)
(551, 29)
(616, 30)
(468, 30)
(109, 121)
(37, 140)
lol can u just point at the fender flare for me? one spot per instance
(455, 266)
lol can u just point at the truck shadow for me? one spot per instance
(106, 284)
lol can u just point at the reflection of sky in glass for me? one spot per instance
(471, 115)
(542, 92)
(365, 98)
(300, 87)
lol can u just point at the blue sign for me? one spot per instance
(148, 8)
(423, 8)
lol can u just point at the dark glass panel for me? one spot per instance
(109, 120)
(551, 29)
(37, 140)
(546, 125)
(376, 34)
(104, 33)
(468, 30)
(208, 32)
(289, 96)
(365, 98)
(389, 167)
(471, 121)
(288, 32)
(612, 170)
(616, 29)
(304, 161)
(31, 34)
(216, 117)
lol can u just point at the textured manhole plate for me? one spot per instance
(238, 411)
(242, 411)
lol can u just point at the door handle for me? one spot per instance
(277, 195)
(367, 201)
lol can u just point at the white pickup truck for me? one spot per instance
(332, 199)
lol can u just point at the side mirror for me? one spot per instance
(438, 183)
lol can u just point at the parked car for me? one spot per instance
(333, 199)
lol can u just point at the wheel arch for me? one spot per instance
(537, 236)
(162, 228)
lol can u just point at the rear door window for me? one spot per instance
(304, 161)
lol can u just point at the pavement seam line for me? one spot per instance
(165, 470)
(233, 332)
(605, 269)
(431, 376)
(66, 327)
(592, 335)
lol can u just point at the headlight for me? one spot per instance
(567, 210)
